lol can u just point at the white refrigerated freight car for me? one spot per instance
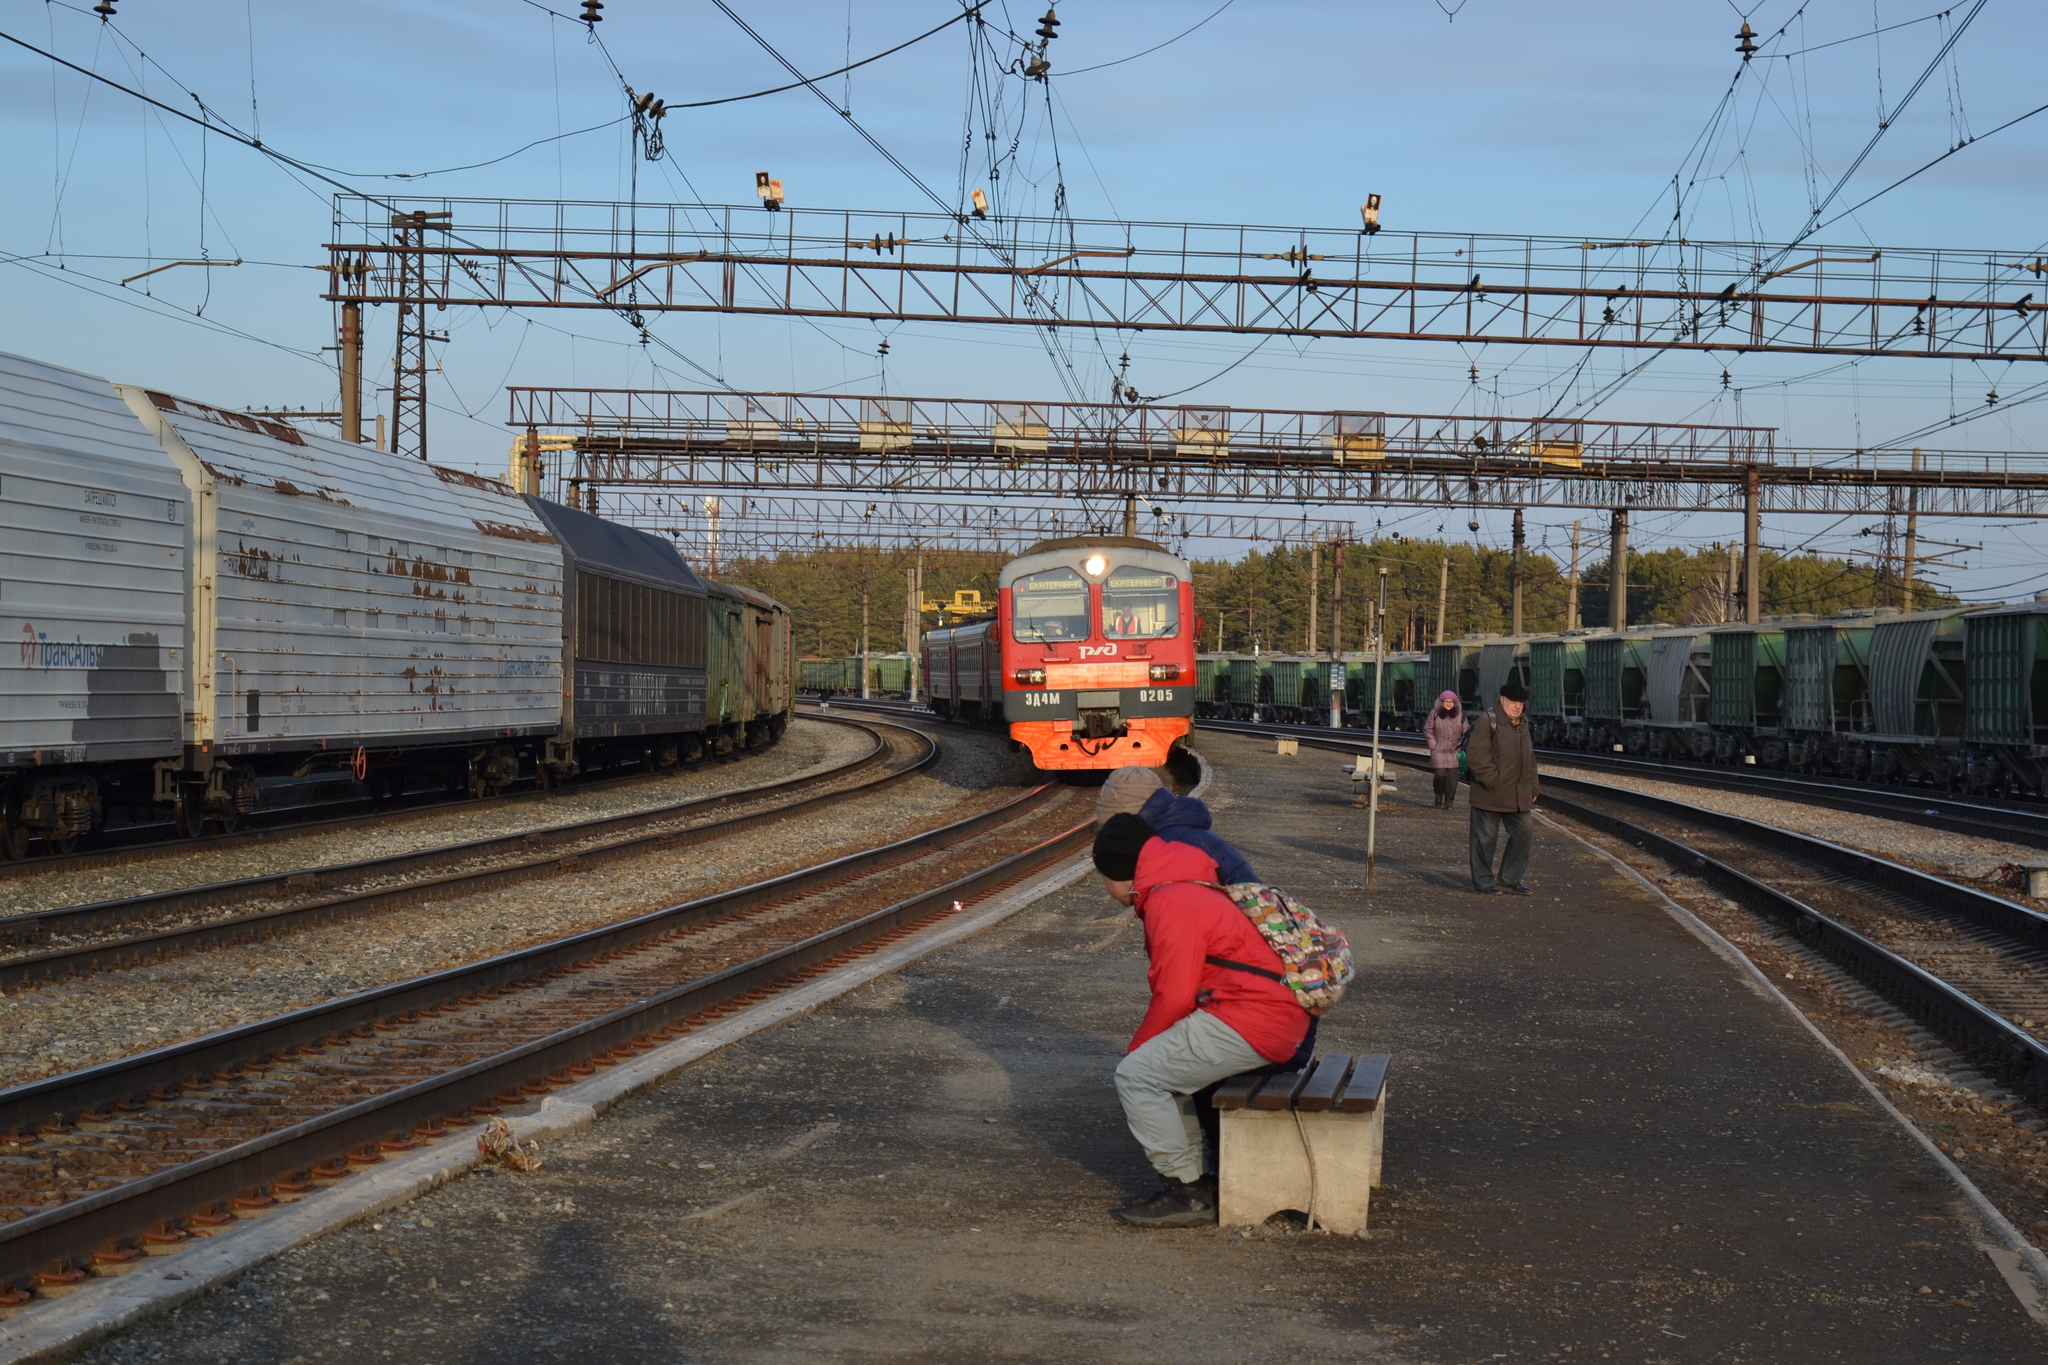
(93, 524)
(283, 601)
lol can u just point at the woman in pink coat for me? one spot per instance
(1445, 731)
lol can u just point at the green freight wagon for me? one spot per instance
(1918, 692)
(1827, 689)
(1454, 667)
(1677, 694)
(1212, 683)
(1749, 684)
(2005, 662)
(1498, 661)
(1616, 667)
(1244, 687)
(1557, 687)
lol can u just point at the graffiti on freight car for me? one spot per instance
(251, 561)
(38, 650)
(529, 668)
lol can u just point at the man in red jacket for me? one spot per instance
(1219, 1007)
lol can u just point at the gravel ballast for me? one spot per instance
(808, 746)
(68, 1025)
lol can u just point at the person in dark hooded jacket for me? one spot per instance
(1184, 820)
(1218, 1007)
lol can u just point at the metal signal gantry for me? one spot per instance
(765, 524)
(1727, 297)
(699, 440)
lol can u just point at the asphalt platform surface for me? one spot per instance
(1602, 1144)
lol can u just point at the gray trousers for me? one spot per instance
(1155, 1082)
(1514, 864)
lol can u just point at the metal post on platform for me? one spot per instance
(1379, 666)
(1912, 541)
(352, 372)
(1337, 636)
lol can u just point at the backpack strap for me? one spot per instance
(1244, 967)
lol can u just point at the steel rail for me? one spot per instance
(73, 1228)
(1997, 1043)
(1934, 812)
(114, 955)
(263, 825)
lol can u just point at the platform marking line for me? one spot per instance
(60, 1329)
(2017, 1250)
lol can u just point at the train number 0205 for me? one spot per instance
(1161, 694)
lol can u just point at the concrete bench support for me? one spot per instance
(1303, 1140)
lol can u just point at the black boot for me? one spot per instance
(1182, 1204)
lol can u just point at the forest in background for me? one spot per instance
(1262, 599)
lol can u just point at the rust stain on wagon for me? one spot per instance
(206, 412)
(505, 532)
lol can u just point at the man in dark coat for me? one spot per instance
(1501, 759)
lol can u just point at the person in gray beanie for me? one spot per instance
(1500, 757)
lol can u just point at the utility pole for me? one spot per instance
(1131, 514)
(1571, 592)
(1728, 596)
(1912, 540)
(1443, 595)
(916, 621)
(352, 372)
(1337, 636)
(409, 360)
(1617, 571)
(1752, 553)
(1315, 584)
(1516, 573)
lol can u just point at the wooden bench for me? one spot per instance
(1306, 1140)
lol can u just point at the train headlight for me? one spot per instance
(1164, 672)
(1096, 566)
(1030, 677)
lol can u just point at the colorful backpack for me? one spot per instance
(1316, 957)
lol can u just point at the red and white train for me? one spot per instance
(1090, 660)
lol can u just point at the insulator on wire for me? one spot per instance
(1048, 27)
(104, 9)
(590, 11)
(1746, 43)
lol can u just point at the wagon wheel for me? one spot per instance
(226, 821)
(189, 819)
(61, 843)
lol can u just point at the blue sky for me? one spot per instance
(1569, 118)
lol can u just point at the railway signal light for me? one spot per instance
(1370, 212)
(980, 204)
(769, 190)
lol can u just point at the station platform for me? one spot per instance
(1603, 1143)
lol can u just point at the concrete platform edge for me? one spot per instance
(60, 1329)
(2017, 1250)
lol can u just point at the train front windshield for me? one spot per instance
(1140, 604)
(1049, 606)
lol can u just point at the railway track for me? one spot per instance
(2014, 824)
(151, 1149)
(126, 844)
(1971, 965)
(104, 936)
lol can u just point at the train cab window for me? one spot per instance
(1048, 607)
(1140, 604)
